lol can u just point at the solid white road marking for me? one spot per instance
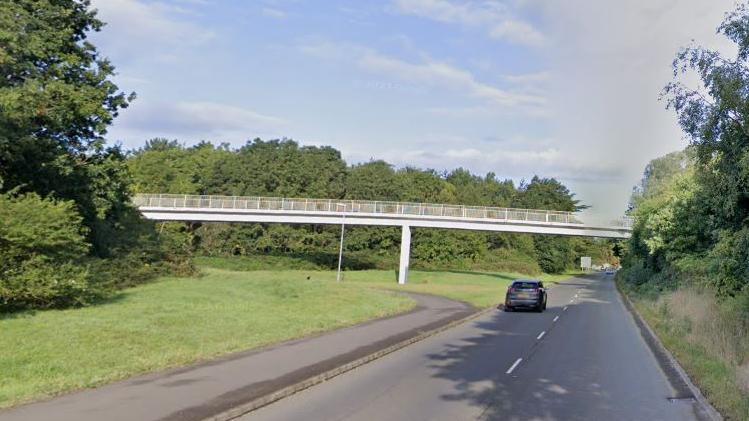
(540, 335)
(514, 365)
(555, 319)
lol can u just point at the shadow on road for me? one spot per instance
(578, 375)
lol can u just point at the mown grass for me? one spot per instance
(172, 323)
(481, 289)
(690, 325)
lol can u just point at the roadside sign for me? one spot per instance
(585, 263)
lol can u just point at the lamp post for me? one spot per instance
(340, 247)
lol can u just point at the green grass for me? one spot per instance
(481, 289)
(174, 322)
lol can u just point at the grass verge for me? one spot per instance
(689, 325)
(171, 323)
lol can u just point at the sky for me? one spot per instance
(558, 88)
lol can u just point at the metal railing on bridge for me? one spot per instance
(362, 206)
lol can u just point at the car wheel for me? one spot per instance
(540, 308)
(544, 306)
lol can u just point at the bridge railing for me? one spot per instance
(359, 206)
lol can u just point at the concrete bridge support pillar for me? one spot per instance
(405, 254)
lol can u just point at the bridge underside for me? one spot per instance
(290, 217)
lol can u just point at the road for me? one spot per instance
(583, 359)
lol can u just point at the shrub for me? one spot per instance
(41, 283)
(554, 254)
(730, 262)
(41, 245)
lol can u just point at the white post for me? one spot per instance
(405, 254)
(340, 251)
(340, 247)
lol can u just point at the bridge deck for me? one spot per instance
(360, 212)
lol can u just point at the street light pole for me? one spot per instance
(340, 247)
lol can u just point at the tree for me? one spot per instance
(374, 180)
(715, 117)
(546, 193)
(56, 95)
(56, 101)
(486, 191)
(280, 168)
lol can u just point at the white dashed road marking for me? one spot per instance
(509, 371)
(540, 335)
(555, 319)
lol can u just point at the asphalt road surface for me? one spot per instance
(583, 359)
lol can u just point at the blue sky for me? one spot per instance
(567, 89)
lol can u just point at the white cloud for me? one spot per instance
(515, 163)
(528, 78)
(273, 13)
(439, 74)
(136, 28)
(431, 73)
(193, 121)
(492, 16)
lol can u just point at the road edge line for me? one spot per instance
(287, 391)
(708, 410)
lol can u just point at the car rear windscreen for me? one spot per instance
(525, 285)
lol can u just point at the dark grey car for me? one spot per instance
(526, 293)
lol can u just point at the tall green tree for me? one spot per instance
(56, 101)
(546, 193)
(715, 117)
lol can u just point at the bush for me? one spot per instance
(44, 261)
(41, 245)
(730, 262)
(555, 254)
(445, 247)
(41, 283)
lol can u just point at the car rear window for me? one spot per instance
(525, 285)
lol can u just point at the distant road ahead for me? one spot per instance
(586, 362)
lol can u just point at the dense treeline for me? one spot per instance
(283, 168)
(692, 209)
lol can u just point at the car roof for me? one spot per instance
(535, 281)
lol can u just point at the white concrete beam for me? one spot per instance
(219, 215)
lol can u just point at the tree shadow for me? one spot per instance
(570, 390)
(113, 298)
